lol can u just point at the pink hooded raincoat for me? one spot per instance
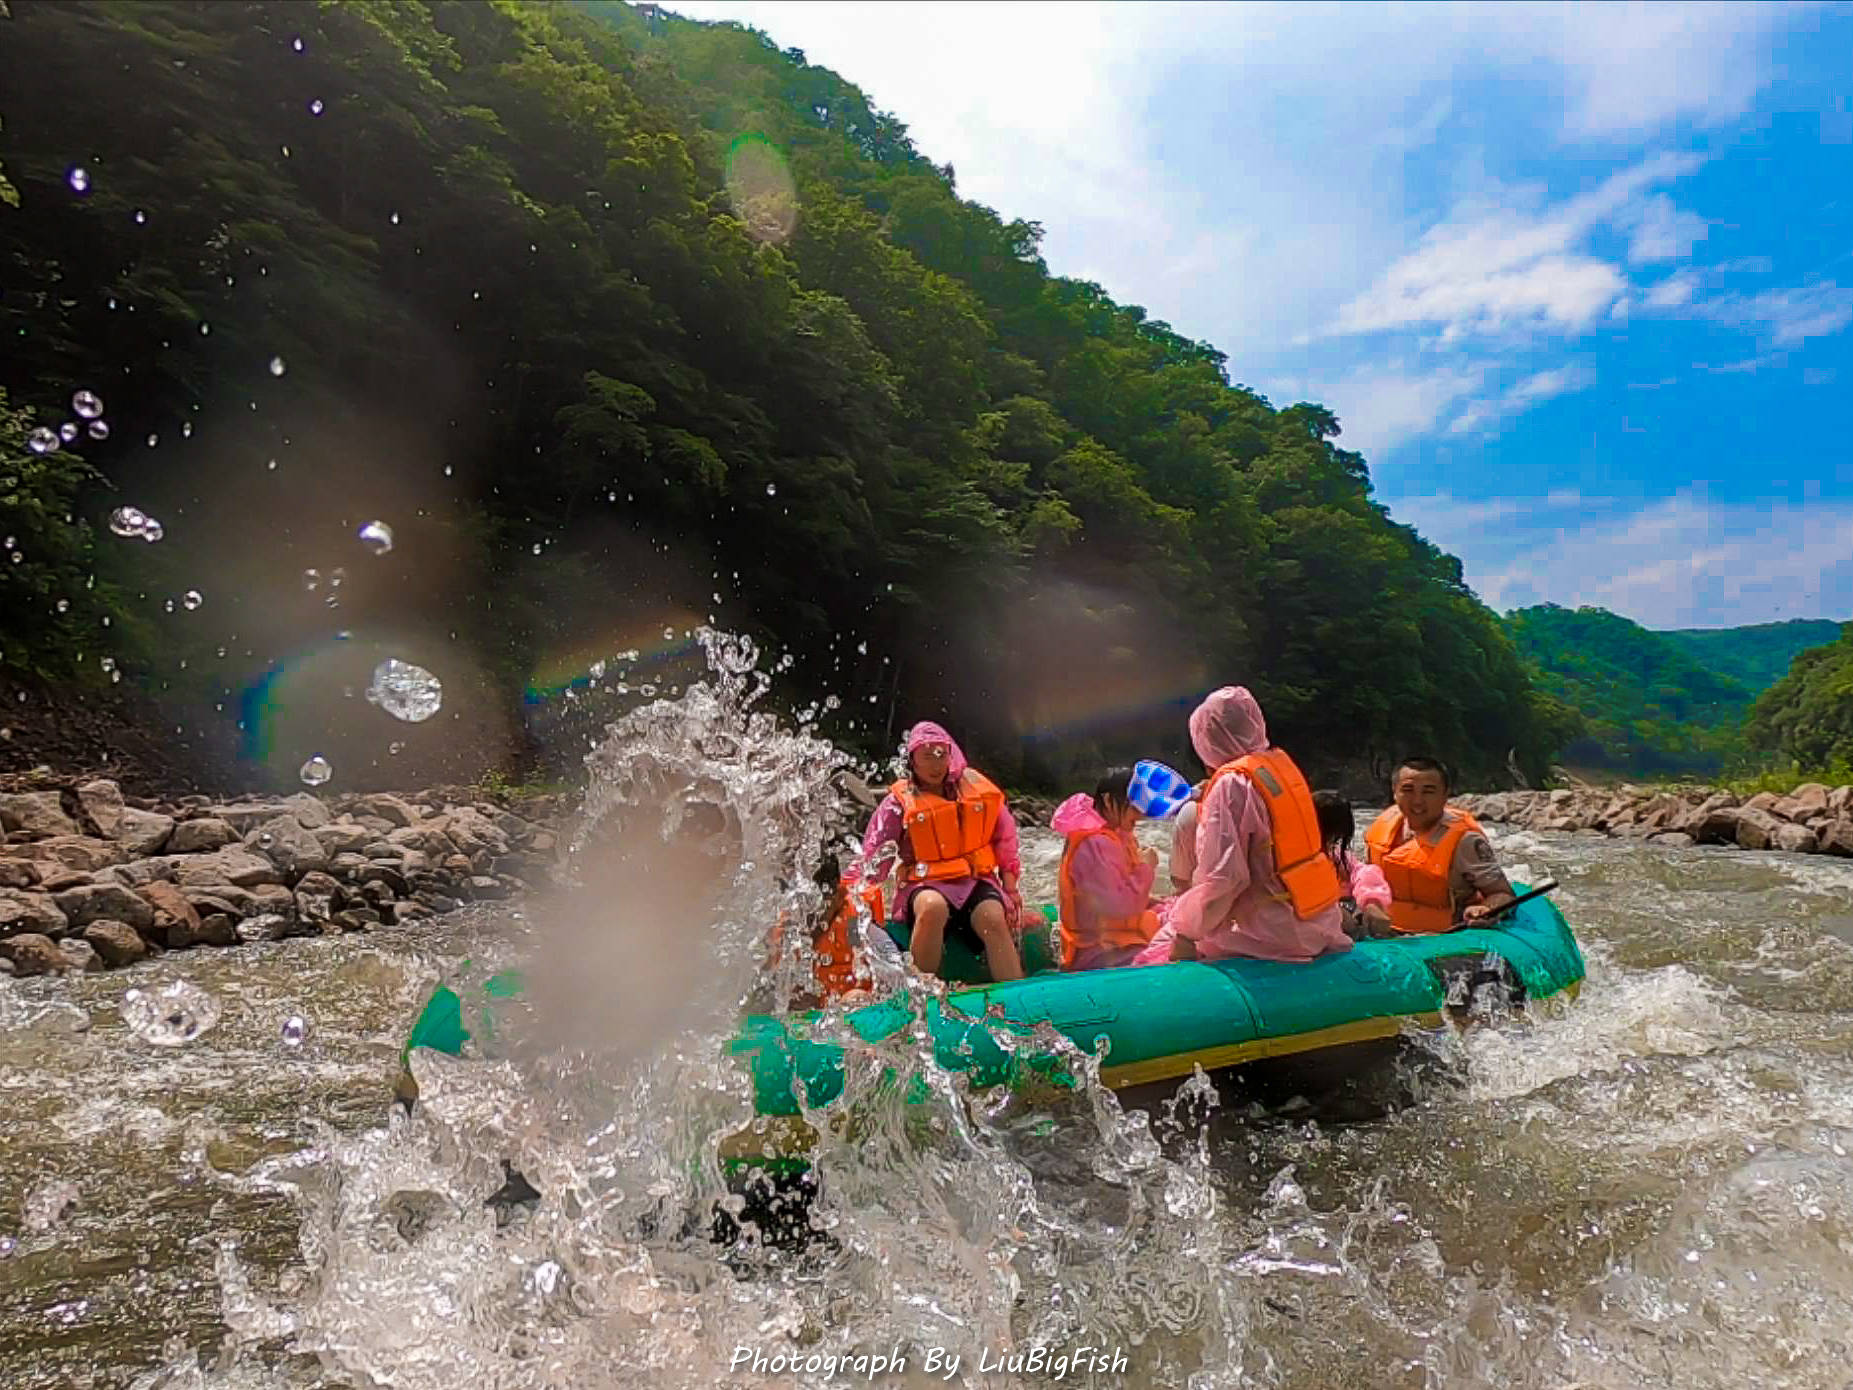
(1235, 905)
(1111, 879)
(881, 842)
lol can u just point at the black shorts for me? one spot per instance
(959, 919)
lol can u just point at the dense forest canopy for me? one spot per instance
(620, 323)
(1807, 716)
(1758, 655)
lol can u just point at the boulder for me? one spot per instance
(232, 865)
(1717, 826)
(273, 898)
(116, 943)
(201, 836)
(33, 954)
(308, 810)
(36, 814)
(1672, 838)
(215, 929)
(1716, 801)
(1810, 799)
(1838, 838)
(287, 843)
(1757, 827)
(1762, 801)
(318, 897)
(357, 918)
(18, 873)
(427, 840)
(106, 901)
(79, 955)
(101, 802)
(34, 913)
(1795, 839)
(83, 852)
(387, 808)
(483, 888)
(1789, 809)
(144, 832)
(348, 866)
(56, 879)
(343, 838)
(1840, 802)
(245, 816)
(174, 912)
(471, 831)
(139, 872)
(382, 872)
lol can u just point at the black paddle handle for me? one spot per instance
(1497, 913)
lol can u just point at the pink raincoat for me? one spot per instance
(1236, 904)
(881, 841)
(1361, 882)
(1111, 879)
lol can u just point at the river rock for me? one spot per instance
(233, 865)
(1838, 838)
(1810, 799)
(33, 954)
(357, 918)
(427, 840)
(79, 955)
(85, 853)
(1717, 826)
(102, 805)
(18, 873)
(201, 836)
(385, 872)
(472, 832)
(1840, 802)
(57, 879)
(36, 913)
(483, 888)
(1795, 839)
(387, 808)
(287, 843)
(1757, 826)
(117, 943)
(1673, 838)
(174, 912)
(1762, 801)
(215, 929)
(318, 896)
(244, 816)
(144, 832)
(343, 837)
(35, 813)
(308, 810)
(274, 897)
(162, 868)
(101, 901)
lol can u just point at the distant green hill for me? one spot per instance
(1759, 655)
(1649, 707)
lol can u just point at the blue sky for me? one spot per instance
(1578, 281)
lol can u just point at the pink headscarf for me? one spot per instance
(926, 731)
(1227, 725)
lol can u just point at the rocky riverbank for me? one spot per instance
(1812, 819)
(90, 878)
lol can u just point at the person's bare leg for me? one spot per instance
(928, 942)
(1000, 945)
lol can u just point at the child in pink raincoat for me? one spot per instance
(934, 900)
(1367, 891)
(1236, 904)
(1105, 881)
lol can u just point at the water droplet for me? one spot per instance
(448, 470)
(598, 670)
(171, 1016)
(131, 522)
(296, 43)
(205, 330)
(99, 429)
(314, 772)
(87, 404)
(394, 219)
(315, 107)
(278, 367)
(405, 691)
(170, 605)
(295, 1029)
(669, 634)
(772, 489)
(67, 431)
(191, 600)
(537, 547)
(141, 218)
(152, 531)
(311, 580)
(47, 1204)
(186, 430)
(153, 440)
(63, 605)
(395, 747)
(863, 648)
(79, 179)
(376, 536)
(108, 664)
(42, 440)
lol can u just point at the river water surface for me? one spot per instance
(1648, 1187)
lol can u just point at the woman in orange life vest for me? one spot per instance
(1261, 884)
(1107, 913)
(956, 843)
(1441, 869)
(834, 967)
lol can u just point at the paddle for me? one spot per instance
(1492, 917)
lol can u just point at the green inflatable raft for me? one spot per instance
(1156, 1023)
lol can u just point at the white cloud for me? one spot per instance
(1684, 561)
(1673, 292)
(1483, 415)
(1785, 317)
(1381, 407)
(1662, 232)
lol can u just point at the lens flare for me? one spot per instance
(761, 189)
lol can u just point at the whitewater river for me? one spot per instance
(1649, 1187)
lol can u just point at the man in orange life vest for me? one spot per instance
(1441, 869)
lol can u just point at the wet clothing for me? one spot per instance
(1236, 904)
(959, 918)
(1107, 915)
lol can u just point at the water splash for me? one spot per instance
(316, 771)
(377, 537)
(406, 692)
(171, 1016)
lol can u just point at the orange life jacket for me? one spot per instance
(1136, 930)
(835, 967)
(1417, 870)
(948, 839)
(1300, 859)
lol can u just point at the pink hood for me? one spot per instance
(1076, 814)
(1227, 725)
(926, 731)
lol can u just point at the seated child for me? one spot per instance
(1366, 901)
(1105, 882)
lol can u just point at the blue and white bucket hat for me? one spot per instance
(1157, 791)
